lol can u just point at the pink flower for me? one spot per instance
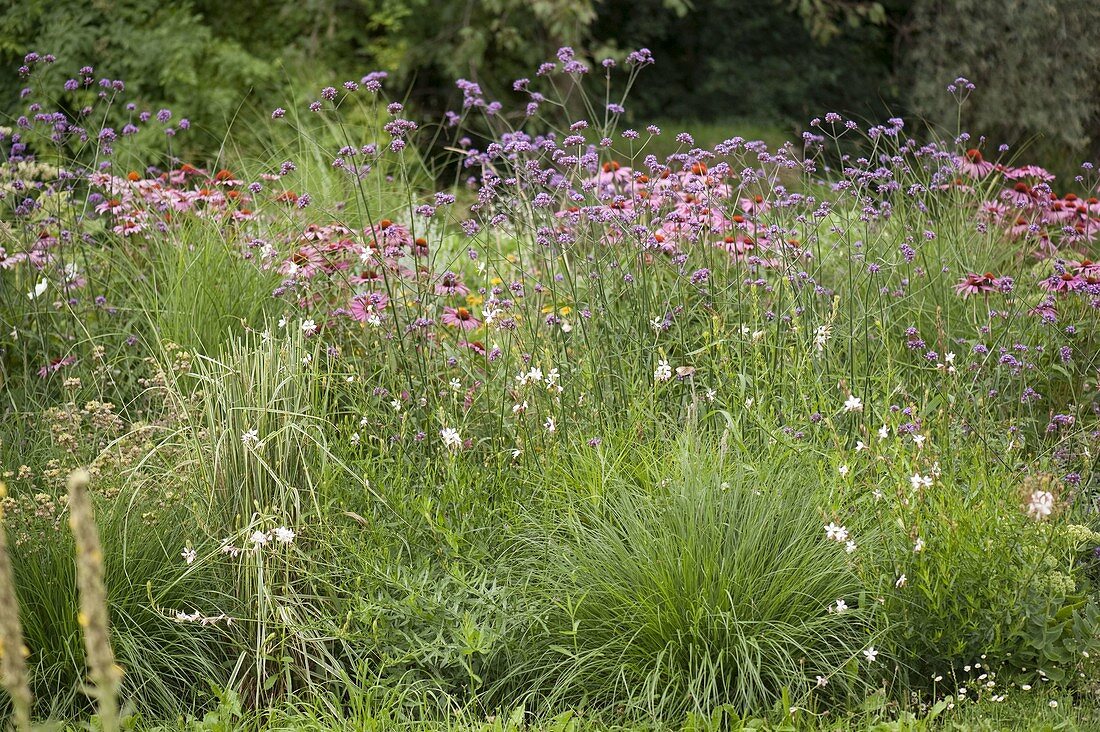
(56, 365)
(973, 165)
(1065, 282)
(449, 284)
(974, 284)
(1028, 171)
(1085, 267)
(128, 227)
(460, 318)
(364, 307)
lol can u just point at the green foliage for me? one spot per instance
(1026, 59)
(709, 585)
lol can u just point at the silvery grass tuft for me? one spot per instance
(105, 674)
(13, 665)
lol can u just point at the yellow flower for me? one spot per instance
(474, 299)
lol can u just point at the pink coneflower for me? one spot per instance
(1085, 267)
(612, 174)
(973, 165)
(1028, 171)
(1046, 311)
(1065, 282)
(449, 284)
(113, 206)
(226, 178)
(306, 262)
(1019, 195)
(974, 284)
(364, 277)
(1020, 227)
(368, 306)
(128, 227)
(460, 318)
(56, 365)
(390, 238)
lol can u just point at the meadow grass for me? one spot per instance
(743, 435)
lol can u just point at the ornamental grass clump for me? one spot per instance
(706, 587)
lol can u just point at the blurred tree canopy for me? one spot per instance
(1036, 62)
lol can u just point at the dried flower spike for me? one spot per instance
(13, 665)
(104, 673)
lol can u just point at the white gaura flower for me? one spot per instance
(840, 607)
(883, 432)
(309, 327)
(918, 545)
(39, 290)
(284, 535)
(849, 546)
(250, 438)
(663, 372)
(836, 533)
(451, 439)
(902, 581)
(550, 425)
(919, 441)
(821, 681)
(853, 404)
(843, 470)
(917, 481)
(259, 538)
(1041, 504)
(189, 555)
(870, 654)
